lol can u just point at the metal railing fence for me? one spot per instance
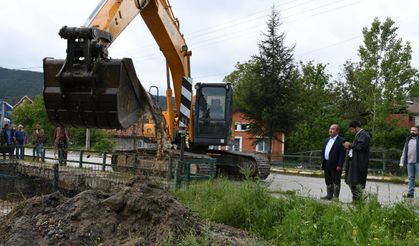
(382, 161)
(81, 170)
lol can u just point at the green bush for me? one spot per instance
(100, 140)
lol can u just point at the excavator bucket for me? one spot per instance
(109, 96)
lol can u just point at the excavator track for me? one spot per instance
(229, 163)
(234, 164)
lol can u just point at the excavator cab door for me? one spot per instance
(213, 114)
(88, 90)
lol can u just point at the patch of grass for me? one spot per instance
(294, 220)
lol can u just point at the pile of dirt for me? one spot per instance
(140, 214)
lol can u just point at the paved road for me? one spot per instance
(315, 187)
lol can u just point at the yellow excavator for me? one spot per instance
(88, 89)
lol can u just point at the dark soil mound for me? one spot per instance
(140, 214)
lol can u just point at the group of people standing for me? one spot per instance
(354, 156)
(13, 141)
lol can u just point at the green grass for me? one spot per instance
(294, 220)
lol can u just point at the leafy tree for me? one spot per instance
(414, 89)
(389, 135)
(316, 109)
(349, 93)
(243, 75)
(379, 84)
(264, 89)
(386, 71)
(100, 140)
(243, 71)
(31, 114)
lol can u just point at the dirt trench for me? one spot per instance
(139, 214)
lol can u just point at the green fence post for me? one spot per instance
(384, 161)
(60, 155)
(104, 161)
(80, 159)
(187, 165)
(177, 174)
(310, 162)
(169, 170)
(56, 177)
(135, 164)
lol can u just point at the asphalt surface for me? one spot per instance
(387, 193)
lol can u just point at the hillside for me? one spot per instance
(17, 83)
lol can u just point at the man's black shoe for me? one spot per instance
(407, 195)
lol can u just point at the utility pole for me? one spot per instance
(87, 139)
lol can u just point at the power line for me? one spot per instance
(331, 45)
(250, 30)
(244, 33)
(233, 23)
(240, 32)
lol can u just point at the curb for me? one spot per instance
(309, 173)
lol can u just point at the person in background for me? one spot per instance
(20, 139)
(333, 158)
(13, 130)
(357, 169)
(6, 141)
(38, 140)
(410, 158)
(61, 140)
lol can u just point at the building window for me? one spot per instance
(262, 145)
(241, 127)
(237, 144)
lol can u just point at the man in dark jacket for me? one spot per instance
(357, 168)
(333, 157)
(6, 141)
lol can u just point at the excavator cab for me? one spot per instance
(88, 89)
(213, 113)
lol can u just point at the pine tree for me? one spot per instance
(264, 90)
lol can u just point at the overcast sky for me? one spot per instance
(220, 33)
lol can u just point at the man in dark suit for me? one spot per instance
(359, 150)
(333, 157)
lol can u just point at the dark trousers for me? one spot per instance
(356, 191)
(62, 152)
(20, 152)
(7, 149)
(331, 176)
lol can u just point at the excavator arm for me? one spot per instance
(88, 89)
